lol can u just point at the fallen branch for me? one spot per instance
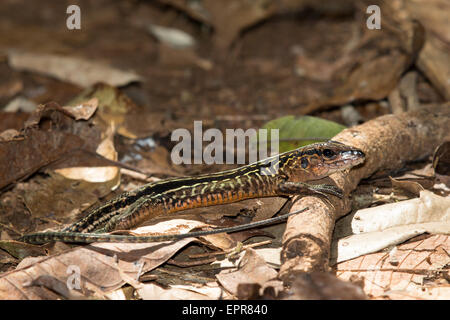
(388, 142)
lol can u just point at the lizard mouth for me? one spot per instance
(349, 159)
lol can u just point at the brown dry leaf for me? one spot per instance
(367, 82)
(252, 269)
(389, 50)
(97, 174)
(59, 198)
(21, 250)
(12, 121)
(129, 119)
(416, 270)
(272, 256)
(81, 72)
(433, 59)
(83, 111)
(101, 268)
(407, 185)
(49, 134)
(157, 161)
(228, 18)
(46, 197)
(178, 292)
(52, 138)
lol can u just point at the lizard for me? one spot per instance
(285, 174)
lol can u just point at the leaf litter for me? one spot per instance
(362, 60)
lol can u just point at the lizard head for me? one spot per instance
(320, 160)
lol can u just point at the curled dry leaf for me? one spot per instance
(97, 174)
(177, 292)
(441, 163)
(428, 208)
(409, 186)
(83, 111)
(78, 71)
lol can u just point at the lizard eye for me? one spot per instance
(329, 153)
(304, 163)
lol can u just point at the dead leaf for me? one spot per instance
(272, 256)
(252, 269)
(56, 285)
(227, 18)
(428, 208)
(409, 186)
(177, 292)
(366, 82)
(83, 111)
(56, 197)
(379, 227)
(49, 134)
(419, 274)
(97, 174)
(81, 72)
(12, 120)
(115, 108)
(21, 250)
(100, 266)
(434, 62)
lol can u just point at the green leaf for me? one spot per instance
(306, 129)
